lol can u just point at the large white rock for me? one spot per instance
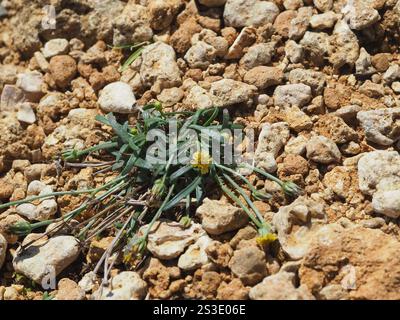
(243, 13)
(322, 150)
(200, 55)
(126, 285)
(392, 73)
(316, 46)
(227, 92)
(45, 258)
(55, 47)
(379, 168)
(132, 25)
(271, 141)
(25, 113)
(273, 137)
(314, 79)
(249, 265)
(364, 64)
(117, 97)
(218, 217)
(324, 21)
(299, 223)
(378, 175)
(360, 15)
(259, 54)
(159, 68)
(195, 256)
(380, 126)
(344, 45)
(31, 84)
(198, 98)
(387, 202)
(169, 239)
(292, 94)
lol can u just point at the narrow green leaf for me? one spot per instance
(131, 59)
(182, 194)
(212, 117)
(181, 171)
(199, 195)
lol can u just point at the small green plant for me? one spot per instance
(47, 296)
(142, 190)
(136, 52)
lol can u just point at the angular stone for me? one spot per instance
(46, 257)
(218, 217)
(195, 256)
(168, 240)
(244, 13)
(280, 286)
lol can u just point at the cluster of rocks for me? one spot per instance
(318, 80)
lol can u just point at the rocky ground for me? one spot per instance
(319, 81)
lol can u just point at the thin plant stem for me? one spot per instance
(61, 193)
(230, 194)
(244, 195)
(160, 210)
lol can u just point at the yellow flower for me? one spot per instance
(202, 161)
(266, 239)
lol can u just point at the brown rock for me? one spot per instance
(365, 262)
(6, 189)
(63, 70)
(210, 23)
(322, 150)
(263, 77)
(209, 284)
(159, 278)
(372, 90)
(335, 129)
(219, 253)
(69, 290)
(338, 96)
(98, 80)
(245, 233)
(230, 34)
(162, 13)
(5, 223)
(343, 181)
(97, 248)
(218, 217)
(380, 62)
(293, 164)
(234, 290)
(283, 21)
(245, 39)
(180, 39)
(297, 119)
(249, 265)
(194, 74)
